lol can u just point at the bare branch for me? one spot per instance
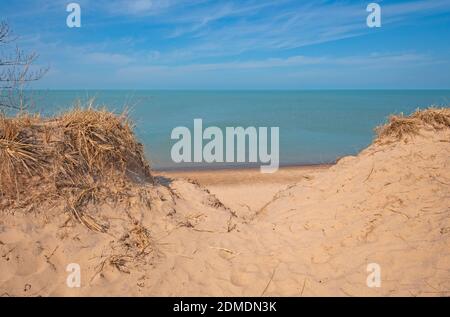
(16, 72)
(4, 32)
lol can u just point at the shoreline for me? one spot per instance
(235, 176)
(238, 168)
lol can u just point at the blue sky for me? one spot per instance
(242, 44)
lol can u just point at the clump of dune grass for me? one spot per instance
(398, 127)
(79, 157)
(438, 118)
(401, 126)
(100, 143)
(21, 155)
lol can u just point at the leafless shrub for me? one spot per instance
(16, 72)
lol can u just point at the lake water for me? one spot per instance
(315, 126)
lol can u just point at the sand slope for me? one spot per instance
(389, 205)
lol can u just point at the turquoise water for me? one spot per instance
(315, 126)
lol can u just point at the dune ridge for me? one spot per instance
(137, 233)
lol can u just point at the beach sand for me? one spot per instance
(246, 190)
(307, 231)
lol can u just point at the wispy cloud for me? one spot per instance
(279, 25)
(207, 28)
(142, 39)
(373, 60)
(138, 7)
(107, 58)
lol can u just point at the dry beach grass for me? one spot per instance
(400, 126)
(73, 157)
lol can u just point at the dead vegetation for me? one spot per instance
(21, 156)
(438, 118)
(99, 143)
(80, 157)
(400, 126)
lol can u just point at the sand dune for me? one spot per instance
(307, 232)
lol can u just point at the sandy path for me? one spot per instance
(247, 190)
